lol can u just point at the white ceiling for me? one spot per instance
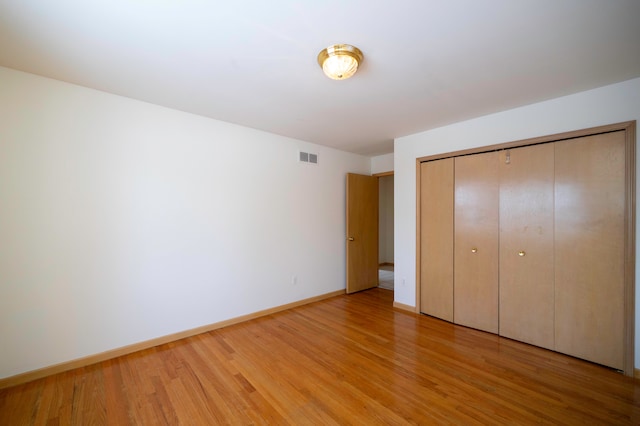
(427, 62)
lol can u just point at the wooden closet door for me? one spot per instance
(526, 244)
(476, 241)
(589, 240)
(436, 238)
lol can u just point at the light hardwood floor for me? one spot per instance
(345, 360)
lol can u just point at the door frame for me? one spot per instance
(629, 217)
(379, 175)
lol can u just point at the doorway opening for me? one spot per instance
(385, 231)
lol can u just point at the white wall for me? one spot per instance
(121, 221)
(382, 163)
(385, 222)
(606, 105)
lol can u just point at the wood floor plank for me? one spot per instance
(345, 360)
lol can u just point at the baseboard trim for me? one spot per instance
(386, 264)
(404, 307)
(636, 374)
(125, 350)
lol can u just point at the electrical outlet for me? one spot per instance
(294, 280)
(404, 282)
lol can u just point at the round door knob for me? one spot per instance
(521, 253)
(474, 250)
(351, 239)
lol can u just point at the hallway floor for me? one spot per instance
(385, 277)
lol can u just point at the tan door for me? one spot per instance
(589, 240)
(526, 245)
(362, 232)
(476, 241)
(436, 238)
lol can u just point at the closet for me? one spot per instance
(532, 241)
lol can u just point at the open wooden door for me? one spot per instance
(362, 232)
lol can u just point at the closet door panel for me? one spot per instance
(476, 241)
(526, 245)
(589, 261)
(436, 238)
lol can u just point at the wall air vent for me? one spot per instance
(307, 157)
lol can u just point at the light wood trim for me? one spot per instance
(626, 125)
(630, 248)
(383, 174)
(125, 350)
(636, 374)
(403, 307)
(418, 235)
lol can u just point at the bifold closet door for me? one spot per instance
(589, 244)
(436, 238)
(526, 244)
(476, 241)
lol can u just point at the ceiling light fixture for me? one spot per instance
(340, 61)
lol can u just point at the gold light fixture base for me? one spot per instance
(340, 61)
